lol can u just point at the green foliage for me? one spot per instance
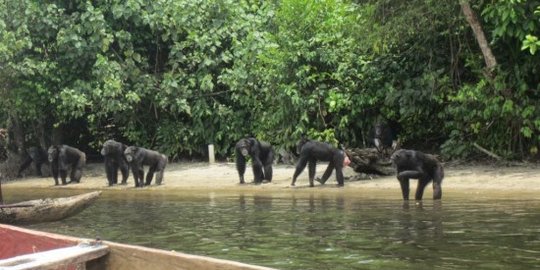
(176, 75)
(310, 70)
(505, 118)
(531, 42)
(511, 18)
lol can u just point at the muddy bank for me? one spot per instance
(223, 176)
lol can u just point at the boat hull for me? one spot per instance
(46, 210)
(18, 241)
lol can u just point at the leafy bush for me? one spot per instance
(176, 75)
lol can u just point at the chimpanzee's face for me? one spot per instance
(300, 144)
(396, 156)
(52, 153)
(403, 157)
(105, 150)
(130, 153)
(379, 127)
(244, 146)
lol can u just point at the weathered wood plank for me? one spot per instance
(131, 257)
(16, 241)
(56, 258)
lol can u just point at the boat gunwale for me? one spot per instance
(140, 256)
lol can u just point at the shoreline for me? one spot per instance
(524, 178)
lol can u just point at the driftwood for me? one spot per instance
(285, 157)
(370, 161)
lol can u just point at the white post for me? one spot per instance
(211, 156)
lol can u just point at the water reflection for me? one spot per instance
(419, 221)
(306, 230)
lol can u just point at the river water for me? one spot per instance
(310, 230)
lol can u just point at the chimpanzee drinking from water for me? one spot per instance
(262, 157)
(417, 165)
(113, 153)
(137, 157)
(64, 158)
(34, 154)
(313, 151)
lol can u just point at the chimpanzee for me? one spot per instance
(113, 153)
(63, 158)
(137, 157)
(34, 154)
(417, 165)
(262, 157)
(312, 151)
(385, 135)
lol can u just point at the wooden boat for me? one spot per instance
(29, 249)
(46, 210)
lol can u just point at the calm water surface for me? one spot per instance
(307, 230)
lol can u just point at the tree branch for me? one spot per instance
(487, 152)
(471, 18)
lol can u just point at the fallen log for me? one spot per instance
(370, 161)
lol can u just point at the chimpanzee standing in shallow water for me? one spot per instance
(417, 165)
(313, 151)
(262, 157)
(113, 153)
(64, 158)
(34, 154)
(137, 157)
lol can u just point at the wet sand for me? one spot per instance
(523, 178)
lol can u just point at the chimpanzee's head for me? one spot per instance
(403, 157)
(303, 140)
(111, 147)
(380, 128)
(130, 153)
(244, 146)
(52, 153)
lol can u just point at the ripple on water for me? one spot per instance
(312, 231)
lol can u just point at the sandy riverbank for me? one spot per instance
(223, 176)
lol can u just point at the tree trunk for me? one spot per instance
(57, 137)
(471, 18)
(15, 148)
(40, 134)
(15, 135)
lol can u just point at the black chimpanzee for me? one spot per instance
(417, 165)
(64, 158)
(34, 154)
(313, 151)
(385, 135)
(262, 157)
(137, 157)
(113, 153)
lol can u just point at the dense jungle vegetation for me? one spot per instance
(176, 75)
